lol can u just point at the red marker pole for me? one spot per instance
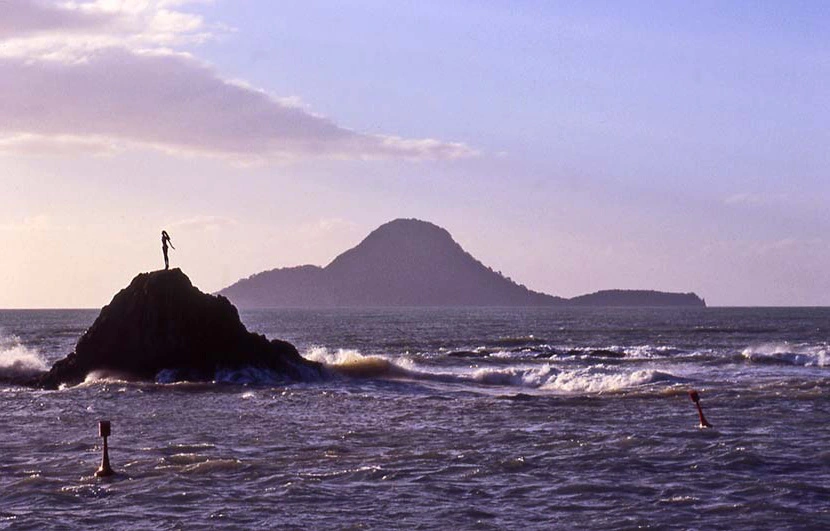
(105, 469)
(696, 399)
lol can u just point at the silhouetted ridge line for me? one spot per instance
(407, 262)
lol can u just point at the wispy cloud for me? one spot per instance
(755, 199)
(105, 73)
(206, 223)
(34, 224)
(760, 249)
(70, 31)
(37, 144)
(325, 226)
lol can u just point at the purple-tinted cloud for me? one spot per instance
(90, 76)
(176, 103)
(24, 17)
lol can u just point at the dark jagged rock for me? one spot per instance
(408, 262)
(161, 322)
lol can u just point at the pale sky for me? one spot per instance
(575, 146)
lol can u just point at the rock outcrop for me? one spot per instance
(161, 323)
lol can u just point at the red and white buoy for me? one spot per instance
(696, 399)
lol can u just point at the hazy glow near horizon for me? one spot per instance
(573, 146)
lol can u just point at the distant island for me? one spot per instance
(408, 262)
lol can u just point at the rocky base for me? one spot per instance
(161, 322)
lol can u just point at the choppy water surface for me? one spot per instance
(466, 418)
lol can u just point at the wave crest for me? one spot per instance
(590, 380)
(17, 361)
(804, 355)
(544, 378)
(350, 362)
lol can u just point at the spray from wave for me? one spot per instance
(17, 361)
(543, 378)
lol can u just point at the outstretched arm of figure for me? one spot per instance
(171, 244)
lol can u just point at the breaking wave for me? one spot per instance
(106, 376)
(553, 351)
(590, 380)
(17, 361)
(789, 354)
(349, 362)
(544, 378)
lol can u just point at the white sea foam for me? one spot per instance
(545, 377)
(106, 376)
(505, 354)
(333, 357)
(519, 376)
(788, 353)
(17, 360)
(588, 380)
(645, 351)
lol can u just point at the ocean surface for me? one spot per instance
(441, 419)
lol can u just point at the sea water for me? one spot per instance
(440, 418)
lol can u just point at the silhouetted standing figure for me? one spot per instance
(165, 239)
